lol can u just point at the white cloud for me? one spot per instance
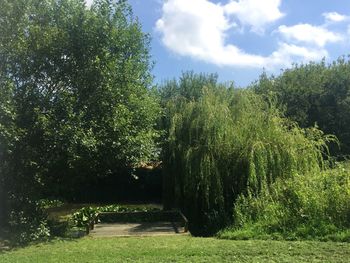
(89, 2)
(198, 29)
(334, 17)
(192, 27)
(255, 13)
(306, 33)
(286, 54)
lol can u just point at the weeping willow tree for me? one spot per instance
(228, 142)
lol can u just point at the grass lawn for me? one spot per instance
(178, 249)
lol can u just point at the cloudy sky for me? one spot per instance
(239, 38)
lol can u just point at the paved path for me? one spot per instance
(136, 229)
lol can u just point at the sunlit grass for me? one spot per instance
(178, 249)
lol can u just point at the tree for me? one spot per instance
(81, 82)
(225, 143)
(315, 93)
(174, 95)
(8, 134)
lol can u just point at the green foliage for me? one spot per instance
(306, 206)
(27, 222)
(189, 87)
(230, 142)
(173, 95)
(75, 100)
(49, 203)
(8, 136)
(86, 214)
(315, 93)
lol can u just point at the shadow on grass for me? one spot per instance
(57, 217)
(9, 241)
(154, 227)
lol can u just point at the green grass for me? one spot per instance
(177, 249)
(303, 233)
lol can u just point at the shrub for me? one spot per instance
(86, 214)
(27, 222)
(306, 206)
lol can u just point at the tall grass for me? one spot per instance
(316, 206)
(226, 143)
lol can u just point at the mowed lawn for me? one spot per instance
(178, 249)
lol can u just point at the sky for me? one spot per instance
(238, 39)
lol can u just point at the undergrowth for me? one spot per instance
(306, 206)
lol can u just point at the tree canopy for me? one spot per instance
(76, 99)
(223, 143)
(314, 93)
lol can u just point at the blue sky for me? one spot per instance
(239, 38)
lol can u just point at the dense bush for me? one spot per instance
(306, 206)
(228, 142)
(27, 221)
